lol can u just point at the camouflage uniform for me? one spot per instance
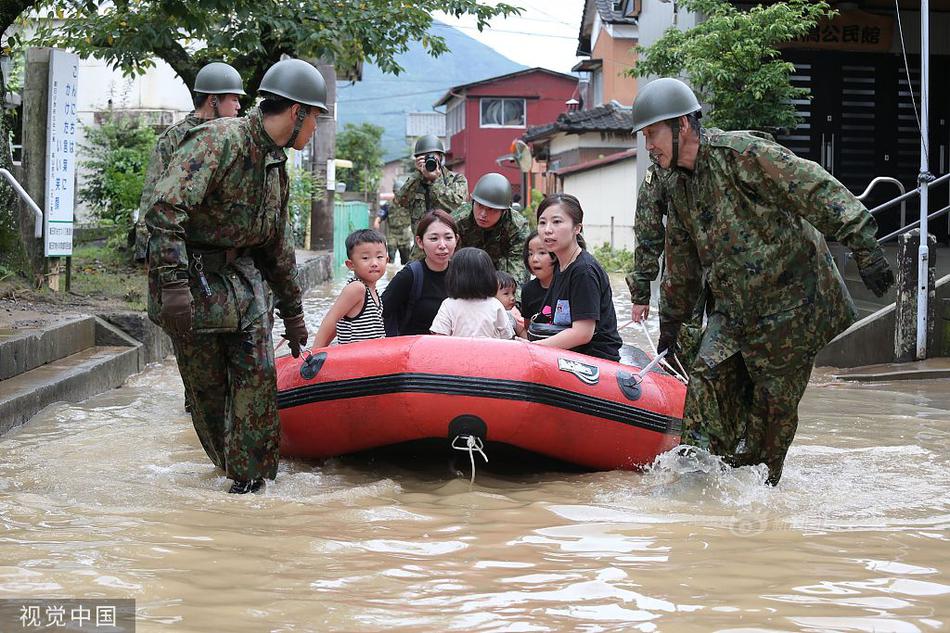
(747, 216)
(652, 205)
(399, 227)
(164, 148)
(503, 242)
(222, 205)
(447, 192)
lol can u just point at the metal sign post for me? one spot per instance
(923, 181)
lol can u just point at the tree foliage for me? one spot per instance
(251, 35)
(12, 254)
(117, 154)
(361, 144)
(732, 62)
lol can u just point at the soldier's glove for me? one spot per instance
(295, 331)
(176, 308)
(878, 276)
(669, 332)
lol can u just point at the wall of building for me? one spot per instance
(606, 193)
(545, 96)
(655, 17)
(618, 57)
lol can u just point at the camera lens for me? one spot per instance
(431, 163)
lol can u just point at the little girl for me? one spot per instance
(540, 263)
(472, 309)
(580, 297)
(357, 314)
(507, 288)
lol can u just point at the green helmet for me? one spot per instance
(296, 80)
(426, 144)
(662, 99)
(398, 182)
(218, 78)
(493, 190)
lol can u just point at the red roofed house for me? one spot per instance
(484, 118)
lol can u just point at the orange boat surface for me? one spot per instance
(568, 406)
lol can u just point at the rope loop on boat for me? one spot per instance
(680, 375)
(473, 443)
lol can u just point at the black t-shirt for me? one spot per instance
(396, 298)
(532, 298)
(580, 293)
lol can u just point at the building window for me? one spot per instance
(455, 118)
(597, 87)
(502, 113)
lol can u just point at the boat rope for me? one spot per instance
(656, 359)
(472, 443)
(681, 374)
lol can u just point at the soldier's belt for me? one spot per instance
(214, 260)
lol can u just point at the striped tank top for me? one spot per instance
(366, 325)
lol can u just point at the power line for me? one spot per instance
(390, 96)
(472, 28)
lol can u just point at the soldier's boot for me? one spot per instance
(244, 487)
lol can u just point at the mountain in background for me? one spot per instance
(384, 99)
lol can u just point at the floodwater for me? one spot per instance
(114, 498)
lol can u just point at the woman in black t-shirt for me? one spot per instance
(540, 263)
(437, 235)
(580, 297)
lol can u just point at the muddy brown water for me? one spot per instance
(114, 498)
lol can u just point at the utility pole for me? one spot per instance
(323, 149)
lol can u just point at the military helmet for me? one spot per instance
(398, 182)
(218, 78)
(296, 80)
(426, 144)
(493, 190)
(662, 99)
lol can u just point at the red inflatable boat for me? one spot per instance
(589, 412)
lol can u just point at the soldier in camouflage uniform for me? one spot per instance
(488, 223)
(652, 207)
(743, 214)
(427, 189)
(219, 231)
(218, 88)
(399, 227)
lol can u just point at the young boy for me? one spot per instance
(357, 314)
(507, 286)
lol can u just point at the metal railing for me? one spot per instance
(901, 199)
(37, 212)
(887, 180)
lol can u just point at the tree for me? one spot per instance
(361, 144)
(732, 62)
(117, 154)
(251, 35)
(13, 257)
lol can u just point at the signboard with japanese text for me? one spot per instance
(849, 31)
(62, 127)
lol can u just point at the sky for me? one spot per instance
(545, 34)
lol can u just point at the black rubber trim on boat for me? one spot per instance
(499, 389)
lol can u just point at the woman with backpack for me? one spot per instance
(412, 298)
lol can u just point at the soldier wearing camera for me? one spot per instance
(431, 186)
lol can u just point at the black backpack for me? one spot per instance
(396, 323)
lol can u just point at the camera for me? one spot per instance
(432, 162)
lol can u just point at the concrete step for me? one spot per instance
(24, 349)
(70, 379)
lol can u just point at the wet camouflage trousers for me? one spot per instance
(233, 389)
(725, 404)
